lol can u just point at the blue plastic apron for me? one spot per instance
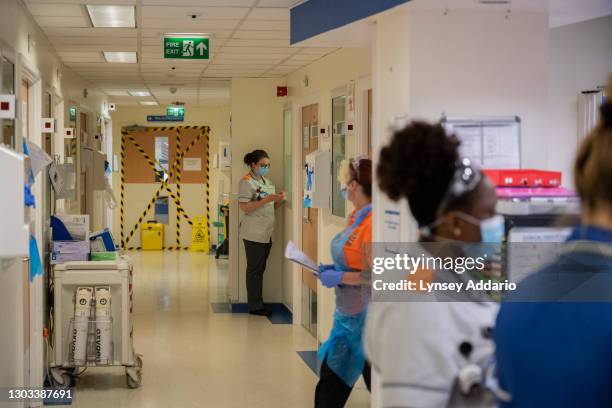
(343, 350)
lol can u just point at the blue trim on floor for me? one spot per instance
(311, 358)
(280, 313)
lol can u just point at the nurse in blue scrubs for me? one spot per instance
(554, 334)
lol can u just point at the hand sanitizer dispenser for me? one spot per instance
(14, 238)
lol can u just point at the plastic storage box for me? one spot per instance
(524, 178)
(152, 236)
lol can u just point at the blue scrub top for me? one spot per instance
(559, 354)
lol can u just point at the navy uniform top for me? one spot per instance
(559, 353)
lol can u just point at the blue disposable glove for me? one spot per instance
(322, 267)
(330, 278)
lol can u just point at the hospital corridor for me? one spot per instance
(179, 326)
(305, 203)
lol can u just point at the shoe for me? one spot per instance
(261, 312)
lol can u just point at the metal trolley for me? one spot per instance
(118, 349)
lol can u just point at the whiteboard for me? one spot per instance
(490, 142)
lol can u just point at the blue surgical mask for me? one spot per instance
(344, 193)
(263, 171)
(492, 230)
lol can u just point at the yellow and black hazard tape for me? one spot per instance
(142, 217)
(164, 184)
(178, 187)
(176, 168)
(166, 248)
(122, 205)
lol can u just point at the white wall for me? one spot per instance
(257, 123)
(580, 59)
(478, 62)
(193, 196)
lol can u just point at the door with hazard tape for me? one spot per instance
(180, 175)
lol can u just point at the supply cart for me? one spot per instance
(92, 320)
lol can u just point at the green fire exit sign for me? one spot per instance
(186, 47)
(175, 111)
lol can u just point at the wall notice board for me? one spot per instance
(490, 142)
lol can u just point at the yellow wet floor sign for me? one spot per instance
(199, 235)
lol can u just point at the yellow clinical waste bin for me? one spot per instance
(152, 236)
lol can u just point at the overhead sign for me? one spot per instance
(72, 114)
(176, 111)
(7, 106)
(163, 118)
(188, 46)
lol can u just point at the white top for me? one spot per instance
(258, 225)
(414, 349)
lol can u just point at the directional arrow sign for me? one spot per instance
(186, 47)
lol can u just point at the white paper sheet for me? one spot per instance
(294, 254)
(501, 146)
(471, 142)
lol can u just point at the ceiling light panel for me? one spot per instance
(112, 16)
(148, 103)
(120, 57)
(139, 93)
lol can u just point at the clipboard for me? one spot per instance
(315, 272)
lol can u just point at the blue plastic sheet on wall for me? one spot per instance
(36, 267)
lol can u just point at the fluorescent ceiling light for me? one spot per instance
(116, 92)
(128, 57)
(112, 16)
(148, 103)
(139, 93)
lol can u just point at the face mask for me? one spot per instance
(344, 193)
(492, 230)
(263, 171)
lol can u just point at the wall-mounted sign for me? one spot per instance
(48, 125)
(176, 111)
(69, 132)
(163, 118)
(186, 46)
(192, 164)
(72, 114)
(7, 106)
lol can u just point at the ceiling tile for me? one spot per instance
(215, 3)
(59, 42)
(270, 25)
(206, 13)
(56, 10)
(278, 3)
(262, 35)
(60, 21)
(187, 25)
(269, 13)
(91, 32)
(258, 50)
(257, 43)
